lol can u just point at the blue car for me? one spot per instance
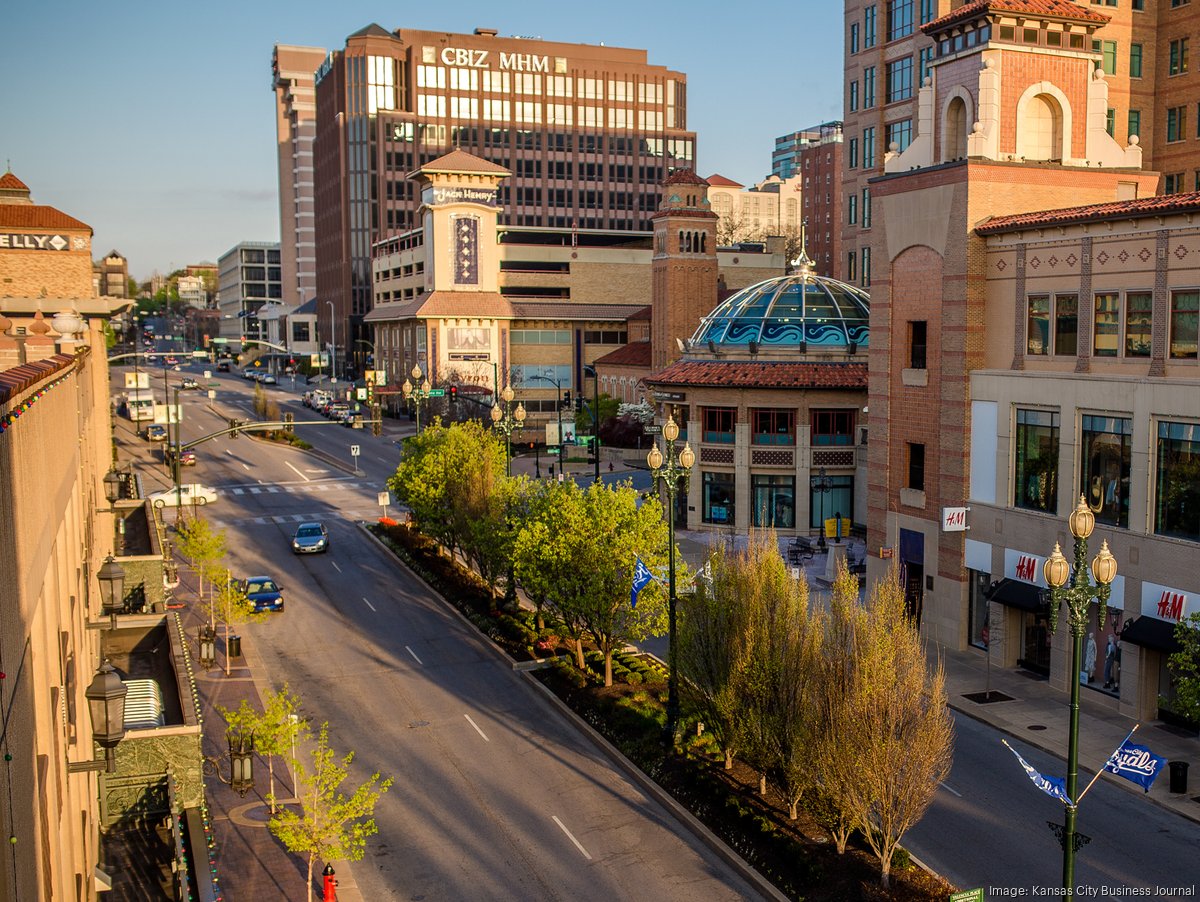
(264, 592)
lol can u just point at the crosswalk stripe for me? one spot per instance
(239, 491)
(262, 521)
(299, 518)
(256, 491)
(273, 490)
(279, 519)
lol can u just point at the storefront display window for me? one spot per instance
(1104, 466)
(719, 494)
(1102, 651)
(978, 634)
(1177, 481)
(1035, 480)
(774, 501)
(838, 500)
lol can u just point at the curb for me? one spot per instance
(685, 818)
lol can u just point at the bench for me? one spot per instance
(800, 549)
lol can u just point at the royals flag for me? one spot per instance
(1051, 786)
(1135, 763)
(641, 577)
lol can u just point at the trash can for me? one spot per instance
(235, 651)
(1179, 771)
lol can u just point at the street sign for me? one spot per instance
(202, 355)
(354, 450)
(208, 374)
(384, 499)
(437, 392)
(552, 451)
(970, 895)
(211, 395)
(652, 429)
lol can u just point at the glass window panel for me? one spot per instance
(718, 498)
(1066, 325)
(837, 499)
(1177, 481)
(1104, 467)
(1185, 307)
(1107, 325)
(1035, 464)
(1037, 341)
(1138, 306)
(774, 500)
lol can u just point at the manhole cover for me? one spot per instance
(413, 724)
(1036, 726)
(983, 698)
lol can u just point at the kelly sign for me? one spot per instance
(27, 242)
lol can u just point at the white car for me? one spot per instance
(189, 493)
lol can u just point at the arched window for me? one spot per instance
(704, 242)
(681, 241)
(955, 131)
(1040, 129)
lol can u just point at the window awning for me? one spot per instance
(1150, 632)
(1017, 594)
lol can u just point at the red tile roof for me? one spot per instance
(684, 177)
(1120, 209)
(461, 161)
(720, 181)
(643, 314)
(1045, 9)
(9, 182)
(636, 353)
(35, 216)
(750, 374)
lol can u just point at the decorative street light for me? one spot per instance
(558, 404)
(106, 703)
(111, 577)
(1078, 596)
(241, 762)
(112, 486)
(207, 640)
(416, 393)
(675, 467)
(505, 422)
(822, 485)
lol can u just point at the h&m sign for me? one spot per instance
(1166, 602)
(483, 59)
(1021, 565)
(954, 519)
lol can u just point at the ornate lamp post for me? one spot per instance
(106, 703)
(414, 393)
(1078, 596)
(672, 469)
(822, 485)
(111, 577)
(505, 422)
(241, 763)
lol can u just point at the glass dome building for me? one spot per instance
(801, 312)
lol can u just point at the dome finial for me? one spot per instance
(803, 264)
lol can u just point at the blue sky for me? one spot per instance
(154, 122)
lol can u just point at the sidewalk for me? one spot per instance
(1032, 711)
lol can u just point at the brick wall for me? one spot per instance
(54, 274)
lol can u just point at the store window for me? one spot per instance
(774, 501)
(838, 499)
(1035, 465)
(1185, 309)
(832, 427)
(1177, 481)
(719, 494)
(773, 426)
(719, 424)
(1104, 467)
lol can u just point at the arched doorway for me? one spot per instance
(955, 131)
(1040, 129)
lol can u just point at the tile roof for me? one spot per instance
(1121, 209)
(754, 374)
(461, 161)
(720, 181)
(645, 313)
(684, 177)
(9, 182)
(486, 304)
(36, 216)
(636, 353)
(1048, 9)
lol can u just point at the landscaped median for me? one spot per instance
(796, 855)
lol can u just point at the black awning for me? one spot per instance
(1150, 632)
(1017, 594)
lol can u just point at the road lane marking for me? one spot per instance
(414, 654)
(948, 789)
(255, 490)
(372, 607)
(279, 519)
(239, 491)
(272, 490)
(247, 466)
(476, 726)
(578, 845)
(336, 567)
(298, 473)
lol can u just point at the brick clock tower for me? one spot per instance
(685, 264)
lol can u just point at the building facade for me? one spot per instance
(294, 81)
(249, 275)
(588, 133)
(112, 276)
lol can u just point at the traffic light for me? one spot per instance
(289, 421)
(233, 425)
(566, 403)
(453, 394)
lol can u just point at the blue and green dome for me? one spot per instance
(799, 311)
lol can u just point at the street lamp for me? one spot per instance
(332, 343)
(675, 467)
(207, 639)
(1078, 597)
(112, 487)
(106, 703)
(111, 577)
(505, 422)
(558, 403)
(241, 762)
(822, 485)
(416, 393)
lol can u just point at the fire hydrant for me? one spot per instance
(329, 891)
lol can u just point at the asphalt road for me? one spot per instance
(495, 797)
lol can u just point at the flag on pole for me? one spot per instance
(1135, 763)
(1051, 786)
(641, 577)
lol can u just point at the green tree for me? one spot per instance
(203, 546)
(539, 545)
(276, 729)
(229, 607)
(1185, 667)
(583, 417)
(329, 825)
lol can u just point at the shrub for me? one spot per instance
(632, 678)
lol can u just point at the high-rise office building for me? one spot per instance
(294, 70)
(589, 132)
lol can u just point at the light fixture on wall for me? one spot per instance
(106, 703)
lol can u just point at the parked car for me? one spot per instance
(155, 433)
(189, 384)
(186, 459)
(223, 366)
(310, 538)
(268, 379)
(189, 493)
(264, 592)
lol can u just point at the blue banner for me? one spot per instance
(641, 578)
(1051, 786)
(1135, 763)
